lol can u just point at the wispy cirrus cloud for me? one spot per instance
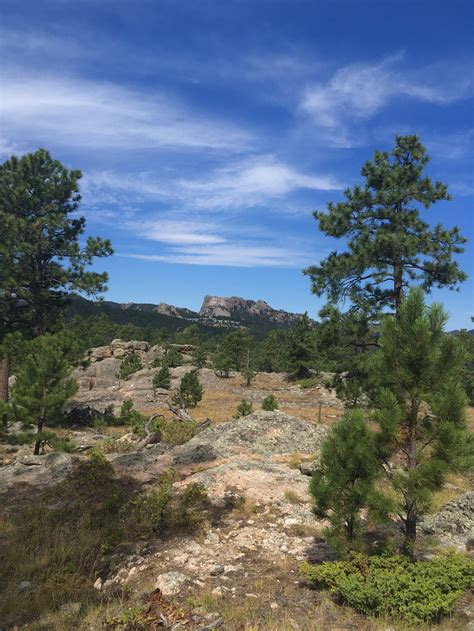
(232, 254)
(177, 231)
(253, 182)
(357, 92)
(248, 183)
(88, 114)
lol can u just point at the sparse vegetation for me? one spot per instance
(244, 408)
(130, 365)
(189, 391)
(269, 403)
(162, 379)
(103, 511)
(395, 587)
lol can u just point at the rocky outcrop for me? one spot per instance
(454, 523)
(263, 434)
(168, 310)
(239, 308)
(118, 349)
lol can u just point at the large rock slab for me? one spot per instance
(264, 434)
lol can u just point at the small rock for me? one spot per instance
(273, 605)
(127, 438)
(212, 537)
(217, 570)
(170, 583)
(24, 586)
(98, 584)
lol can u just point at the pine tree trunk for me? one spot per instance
(412, 511)
(397, 286)
(410, 532)
(4, 375)
(38, 439)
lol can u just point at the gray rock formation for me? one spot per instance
(238, 308)
(454, 523)
(262, 433)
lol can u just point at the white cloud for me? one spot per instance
(177, 232)
(231, 255)
(253, 182)
(88, 114)
(242, 185)
(358, 91)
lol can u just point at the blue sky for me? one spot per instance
(208, 131)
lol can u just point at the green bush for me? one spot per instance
(189, 392)
(162, 379)
(172, 358)
(244, 409)
(157, 362)
(270, 404)
(162, 510)
(20, 438)
(173, 432)
(394, 586)
(129, 365)
(129, 416)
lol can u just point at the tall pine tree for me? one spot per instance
(389, 245)
(41, 257)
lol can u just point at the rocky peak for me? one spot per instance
(169, 310)
(238, 308)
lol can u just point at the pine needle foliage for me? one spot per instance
(420, 406)
(43, 385)
(390, 245)
(190, 391)
(162, 379)
(343, 483)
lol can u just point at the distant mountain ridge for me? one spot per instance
(231, 308)
(216, 313)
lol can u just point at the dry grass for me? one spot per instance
(457, 485)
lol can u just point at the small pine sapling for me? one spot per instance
(43, 386)
(269, 403)
(189, 392)
(420, 407)
(343, 483)
(162, 379)
(244, 409)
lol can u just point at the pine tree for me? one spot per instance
(199, 356)
(390, 246)
(130, 365)
(244, 408)
(173, 357)
(162, 379)
(190, 391)
(43, 385)
(222, 363)
(269, 403)
(420, 406)
(248, 372)
(343, 484)
(301, 348)
(235, 346)
(41, 255)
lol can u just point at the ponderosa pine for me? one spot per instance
(389, 244)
